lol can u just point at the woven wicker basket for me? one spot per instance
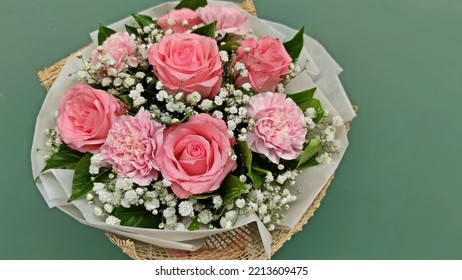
(243, 243)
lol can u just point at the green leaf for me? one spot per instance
(143, 20)
(82, 181)
(231, 188)
(316, 104)
(230, 46)
(136, 216)
(194, 225)
(295, 46)
(255, 178)
(311, 149)
(191, 4)
(131, 29)
(151, 88)
(310, 163)
(207, 30)
(96, 86)
(103, 33)
(246, 154)
(259, 170)
(126, 99)
(302, 98)
(65, 158)
(203, 196)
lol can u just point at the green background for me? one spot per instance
(398, 191)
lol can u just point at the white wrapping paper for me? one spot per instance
(322, 72)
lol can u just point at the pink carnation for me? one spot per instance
(195, 156)
(266, 61)
(131, 147)
(229, 20)
(280, 127)
(177, 18)
(187, 63)
(118, 50)
(85, 117)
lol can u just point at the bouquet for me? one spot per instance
(188, 120)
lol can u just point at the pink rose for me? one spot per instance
(176, 19)
(280, 127)
(266, 61)
(85, 117)
(229, 20)
(118, 50)
(131, 146)
(195, 156)
(187, 63)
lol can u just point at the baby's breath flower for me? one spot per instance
(90, 196)
(239, 66)
(205, 216)
(169, 212)
(247, 86)
(218, 114)
(124, 184)
(281, 88)
(269, 177)
(108, 208)
(98, 211)
(217, 201)
(166, 183)
(240, 203)
(131, 196)
(185, 208)
(152, 204)
(179, 95)
(180, 227)
(161, 95)
(324, 158)
(97, 187)
(206, 105)
(193, 98)
(129, 81)
(223, 93)
(310, 113)
(198, 207)
(106, 81)
(224, 56)
(337, 121)
(117, 81)
(140, 75)
(218, 100)
(113, 221)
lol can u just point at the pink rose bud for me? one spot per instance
(85, 117)
(229, 20)
(265, 60)
(280, 127)
(187, 63)
(131, 146)
(118, 50)
(176, 19)
(195, 156)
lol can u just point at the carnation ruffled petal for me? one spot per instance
(131, 146)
